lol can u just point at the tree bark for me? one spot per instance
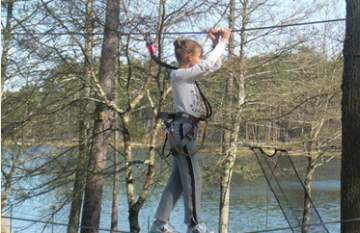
(229, 86)
(7, 41)
(130, 186)
(224, 201)
(230, 153)
(116, 178)
(103, 122)
(80, 175)
(310, 170)
(350, 168)
(116, 183)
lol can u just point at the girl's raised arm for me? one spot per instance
(205, 66)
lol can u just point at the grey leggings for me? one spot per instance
(185, 179)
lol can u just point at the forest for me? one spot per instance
(80, 97)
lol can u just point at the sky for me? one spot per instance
(281, 11)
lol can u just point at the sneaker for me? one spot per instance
(199, 228)
(162, 228)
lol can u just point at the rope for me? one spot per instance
(57, 223)
(293, 224)
(186, 32)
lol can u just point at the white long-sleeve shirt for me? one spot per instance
(185, 93)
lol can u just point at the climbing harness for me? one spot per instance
(179, 140)
(177, 146)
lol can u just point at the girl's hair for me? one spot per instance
(183, 47)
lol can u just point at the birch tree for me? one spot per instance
(230, 152)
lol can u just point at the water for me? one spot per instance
(253, 206)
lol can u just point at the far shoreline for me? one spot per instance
(207, 148)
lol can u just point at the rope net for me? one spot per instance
(290, 192)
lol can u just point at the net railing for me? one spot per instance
(290, 192)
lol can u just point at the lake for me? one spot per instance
(253, 206)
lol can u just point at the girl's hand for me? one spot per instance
(225, 34)
(214, 35)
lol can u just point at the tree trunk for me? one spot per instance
(230, 153)
(80, 176)
(116, 178)
(229, 86)
(224, 201)
(350, 168)
(136, 203)
(310, 170)
(116, 183)
(311, 137)
(103, 122)
(130, 186)
(7, 41)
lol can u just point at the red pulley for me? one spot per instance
(151, 48)
(150, 45)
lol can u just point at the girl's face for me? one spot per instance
(194, 58)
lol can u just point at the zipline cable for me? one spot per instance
(187, 32)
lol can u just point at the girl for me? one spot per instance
(185, 178)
